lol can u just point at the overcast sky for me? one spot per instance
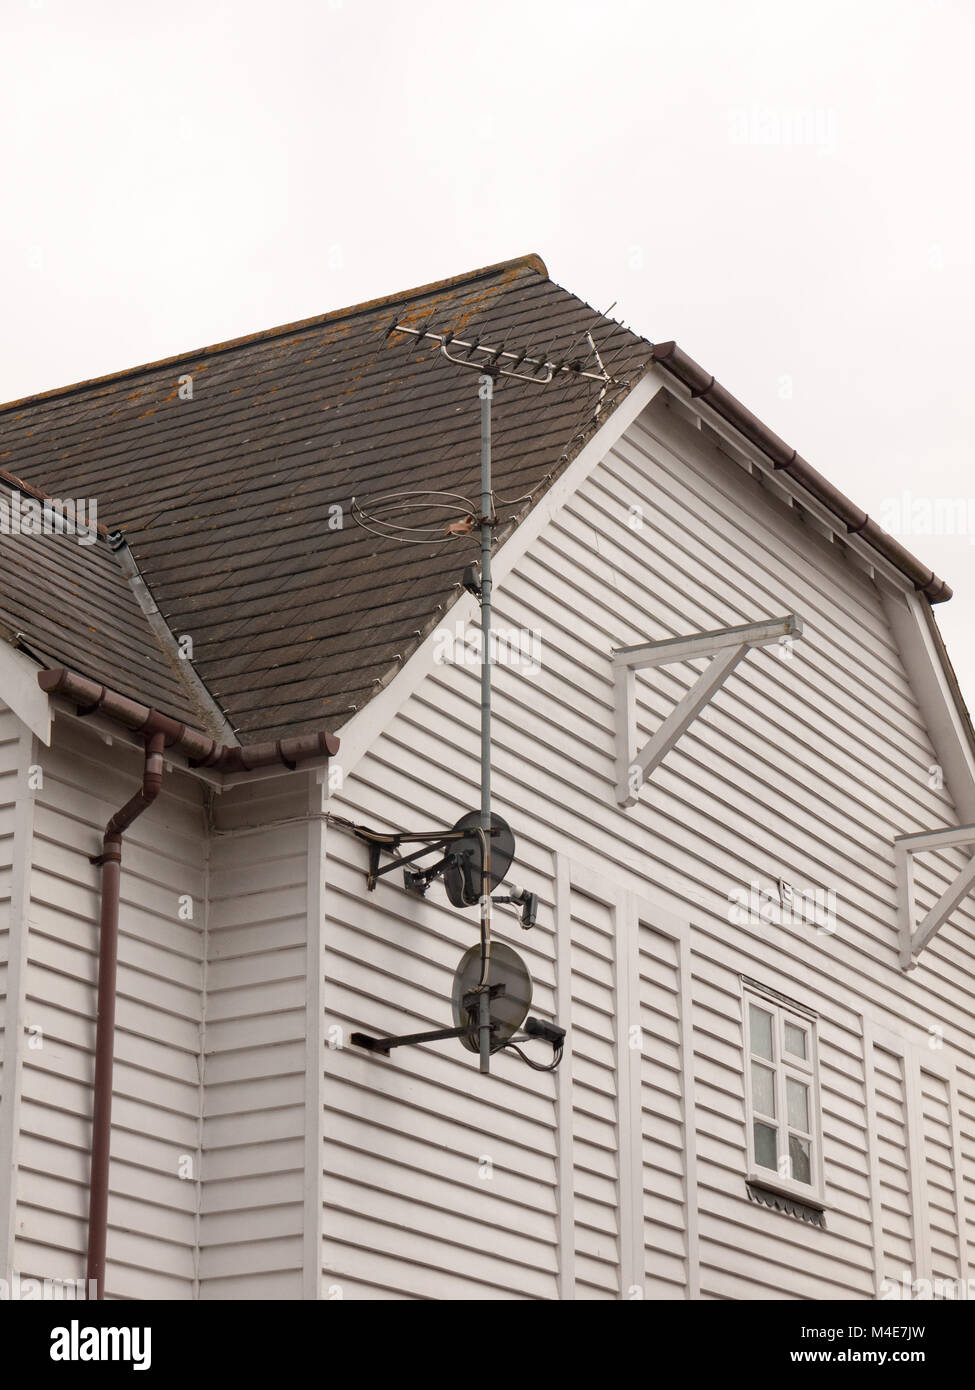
(786, 189)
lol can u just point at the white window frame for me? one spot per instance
(783, 1066)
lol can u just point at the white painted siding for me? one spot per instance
(665, 1131)
(939, 1173)
(595, 1101)
(11, 732)
(965, 1100)
(438, 1183)
(803, 768)
(16, 806)
(893, 1166)
(254, 1046)
(320, 1169)
(155, 1115)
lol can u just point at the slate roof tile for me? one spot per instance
(224, 499)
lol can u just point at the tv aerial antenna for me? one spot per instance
(492, 986)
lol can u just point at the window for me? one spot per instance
(781, 1093)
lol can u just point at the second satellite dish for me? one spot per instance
(509, 1009)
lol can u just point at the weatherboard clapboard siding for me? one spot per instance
(805, 767)
(16, 754)
(10, 792)
(965, 1095)
(254, 1050)
(665, 1125)
(940, 1164)
(155, 1128)
(593, 1019)
(893, 1164)
(624, 1175)
(446, 1179)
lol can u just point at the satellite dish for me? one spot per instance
(508, 1009)
(463, 869)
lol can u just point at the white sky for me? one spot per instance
(786, 189)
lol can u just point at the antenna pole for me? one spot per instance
(492, 363)
(485, 390)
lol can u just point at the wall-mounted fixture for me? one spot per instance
(727, 646)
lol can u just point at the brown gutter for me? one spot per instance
(160, 732)
(199, 748)
(703, 386)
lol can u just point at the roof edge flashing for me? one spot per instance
(197, 695)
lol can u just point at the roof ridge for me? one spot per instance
(199, 697)
(531, 261)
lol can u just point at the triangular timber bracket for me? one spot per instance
(913, 939)
(727, 646)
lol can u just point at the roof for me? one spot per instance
(235, 496)
(225, 498)
(66, 600)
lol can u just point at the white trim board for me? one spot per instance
(19, 690)
(315, 1049)
(16, 1017)
(915, 1056)
(629, 909)
(943, 719)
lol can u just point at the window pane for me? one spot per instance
(795, 1040)
(799, 1158)
(765, 1146)
(763, 1090)
(760, 1030)
(797, 1096)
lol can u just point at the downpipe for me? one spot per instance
(110, 861)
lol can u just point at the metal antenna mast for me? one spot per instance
(491, 363)
(485, 391)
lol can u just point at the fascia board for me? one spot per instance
(20, 691)
(935, 690)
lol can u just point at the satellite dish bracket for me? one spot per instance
(379, 840)
(462, 872)
(383, 1045)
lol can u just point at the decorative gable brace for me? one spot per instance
(726, 646)
(914, 939)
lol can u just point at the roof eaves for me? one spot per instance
(702, 386)
(200, 749)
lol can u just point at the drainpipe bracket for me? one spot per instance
(107, 857)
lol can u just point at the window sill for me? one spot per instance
(804, 1206)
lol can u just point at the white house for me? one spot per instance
(767, 1089)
